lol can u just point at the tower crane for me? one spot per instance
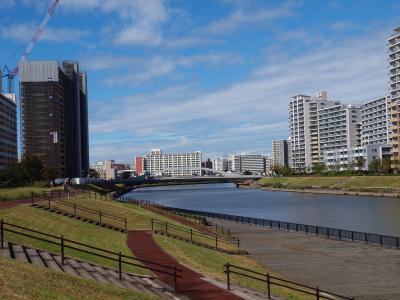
(10, 74)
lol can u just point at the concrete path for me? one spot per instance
(346, 268)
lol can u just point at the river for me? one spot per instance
(368, 214)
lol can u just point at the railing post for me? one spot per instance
(352, 236)
(120, 265)
(175, 280)
(166, 227)
(32, 197)
(59, 195)
(126, 227)
(62, 250)
(228, 277)
(49, 202)
(2, 233)
(191, 235)
(317, 292)
(269, 286)
(238, 244)
(74, 209)
(216, 242)
(397, 243)
(152, 224)
(100, 216)
(381, 240)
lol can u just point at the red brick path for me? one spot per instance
(142, 245)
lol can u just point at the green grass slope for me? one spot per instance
(25, 281)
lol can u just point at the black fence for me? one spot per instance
(334, 233)
(79, 210)
(270, 281)
(64, 243)
(194, 235)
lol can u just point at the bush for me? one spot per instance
(23, 173)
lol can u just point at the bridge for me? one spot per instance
(164, 181)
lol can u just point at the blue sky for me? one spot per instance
(214, 76)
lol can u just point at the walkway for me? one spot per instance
(12, 203)
(346, 268)
(191, 284)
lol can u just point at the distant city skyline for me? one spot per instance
(176, 77)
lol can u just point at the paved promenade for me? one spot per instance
(346, 268)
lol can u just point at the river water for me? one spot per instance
(368, 214)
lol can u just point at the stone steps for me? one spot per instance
(77, 217)
(86, 270)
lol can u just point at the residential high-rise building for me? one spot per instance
(280, 153)
(8, 130)
(54, 116)
(374, 122)
(140, 165)
(339, 128)
(394, 94)
(180, 164)
(220, 164)
(304, 131)
(254, 163)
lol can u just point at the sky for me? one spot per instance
(208, 75)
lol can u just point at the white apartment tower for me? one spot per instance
(280, 153)
(374, 122)
(339, 128)
(304, 131)
(394, 90)
(180, 164)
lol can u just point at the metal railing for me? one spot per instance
(64, 243)
(334, 233)
(99, 216)
(192, 234)
(270, 281)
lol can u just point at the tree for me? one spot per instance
(26, 172)
(375, 166)
(386, 166)
(125, 175)
(360, 163)
(93, 173)
(318, 168)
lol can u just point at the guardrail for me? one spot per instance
(270, 281)
(192, 234)
(65, 243)
(100, 216)
(334, 233)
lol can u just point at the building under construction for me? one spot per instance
(54, 116)
(8, 130)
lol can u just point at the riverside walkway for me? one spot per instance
(348, 268)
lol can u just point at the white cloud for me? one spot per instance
(141, 20)
(140, 70)
(23, 32)
(241, 18)
(250, 113)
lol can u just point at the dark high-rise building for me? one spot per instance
(8, 130)
(54, 116)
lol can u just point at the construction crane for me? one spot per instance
(10, 74)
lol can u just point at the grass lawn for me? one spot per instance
(204, 260)
(303, 181)
(346, 182)
(25, 281)
(211, 263)
(22, 192)
(137, 217)
(71, 229)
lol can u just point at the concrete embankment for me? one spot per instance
(367, 272)
(323, 191)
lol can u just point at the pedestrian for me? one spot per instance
(66, 189)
